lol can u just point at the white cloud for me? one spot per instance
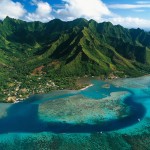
(138, 10)
(42, 12)
(143, 2)
(129, 6)
(130, 22)
(11, 9)
(72, 9)
(89, 9)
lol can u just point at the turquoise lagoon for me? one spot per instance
(84, 119)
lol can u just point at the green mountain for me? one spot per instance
(33, 53)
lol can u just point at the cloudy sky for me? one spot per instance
(129, 13)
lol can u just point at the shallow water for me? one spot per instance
(27, 117)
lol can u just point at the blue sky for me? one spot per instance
(129, 13)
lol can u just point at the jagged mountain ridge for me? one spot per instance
(77, 47)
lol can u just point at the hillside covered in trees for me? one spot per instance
(38, 57)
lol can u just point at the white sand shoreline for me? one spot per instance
(86, 87)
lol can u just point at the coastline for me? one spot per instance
(86, 87)
(82, 82)
(82, 89)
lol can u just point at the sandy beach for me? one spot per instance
(86, 87)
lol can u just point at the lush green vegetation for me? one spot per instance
(38, 57)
